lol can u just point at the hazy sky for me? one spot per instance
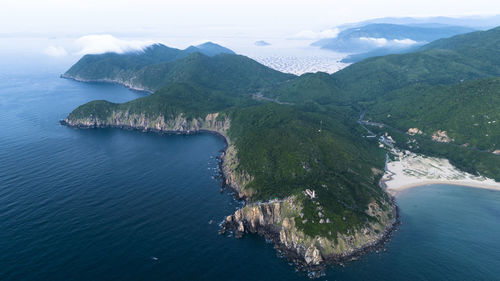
(68, 17)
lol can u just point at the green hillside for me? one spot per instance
(123, 68)
(467, 111)
(305, 134)
(223, 72)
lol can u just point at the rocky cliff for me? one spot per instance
(276, 220)
(178, 124)
(130, 83)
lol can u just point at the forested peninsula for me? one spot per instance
(298, 152)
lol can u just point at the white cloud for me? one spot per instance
(98, 44)
(383, 42)
(309, 34)
(55, 51)
(405, 42)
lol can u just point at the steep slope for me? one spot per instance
(447, 61)
(468, 112)
(121, 68)
(223, 72)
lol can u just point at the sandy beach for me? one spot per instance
(412, 170)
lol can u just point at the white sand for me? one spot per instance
(411, 170)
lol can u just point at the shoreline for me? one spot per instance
(412, 170)
(318, 270)
(221, 156)
(313, 271)
(107, 81)
(149, 130)
(340, 260)
(397, 190)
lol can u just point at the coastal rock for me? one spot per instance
(276, 221)
(177, 124)
(125, 81)
(313, 256)
(237, 180)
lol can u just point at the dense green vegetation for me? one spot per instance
(148, 68)
(282, 147)
(222, 72)
(467, 111)
(447, 85)
(189, 99)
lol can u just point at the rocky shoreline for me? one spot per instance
(304, 255)
(110, 81)
(302, 263)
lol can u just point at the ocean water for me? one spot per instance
(108, 204)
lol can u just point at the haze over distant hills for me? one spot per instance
(261, 43)
(378, 39)
(476, 22)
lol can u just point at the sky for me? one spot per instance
(218, 17)
(63, 28)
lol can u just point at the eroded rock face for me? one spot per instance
(237, 180)
(129, 83)
(414, 131)
(441, 136)
(125, 119)
(276, 220)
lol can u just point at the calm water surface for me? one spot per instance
(100, 204)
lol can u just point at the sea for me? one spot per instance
(111, 204)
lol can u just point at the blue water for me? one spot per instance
(99, 204)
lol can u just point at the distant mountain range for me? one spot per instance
(382, 38)
(475, 22)
(261, 43)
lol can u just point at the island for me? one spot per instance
(308, 154)
(262, 43)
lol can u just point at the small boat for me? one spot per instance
(154, 258)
